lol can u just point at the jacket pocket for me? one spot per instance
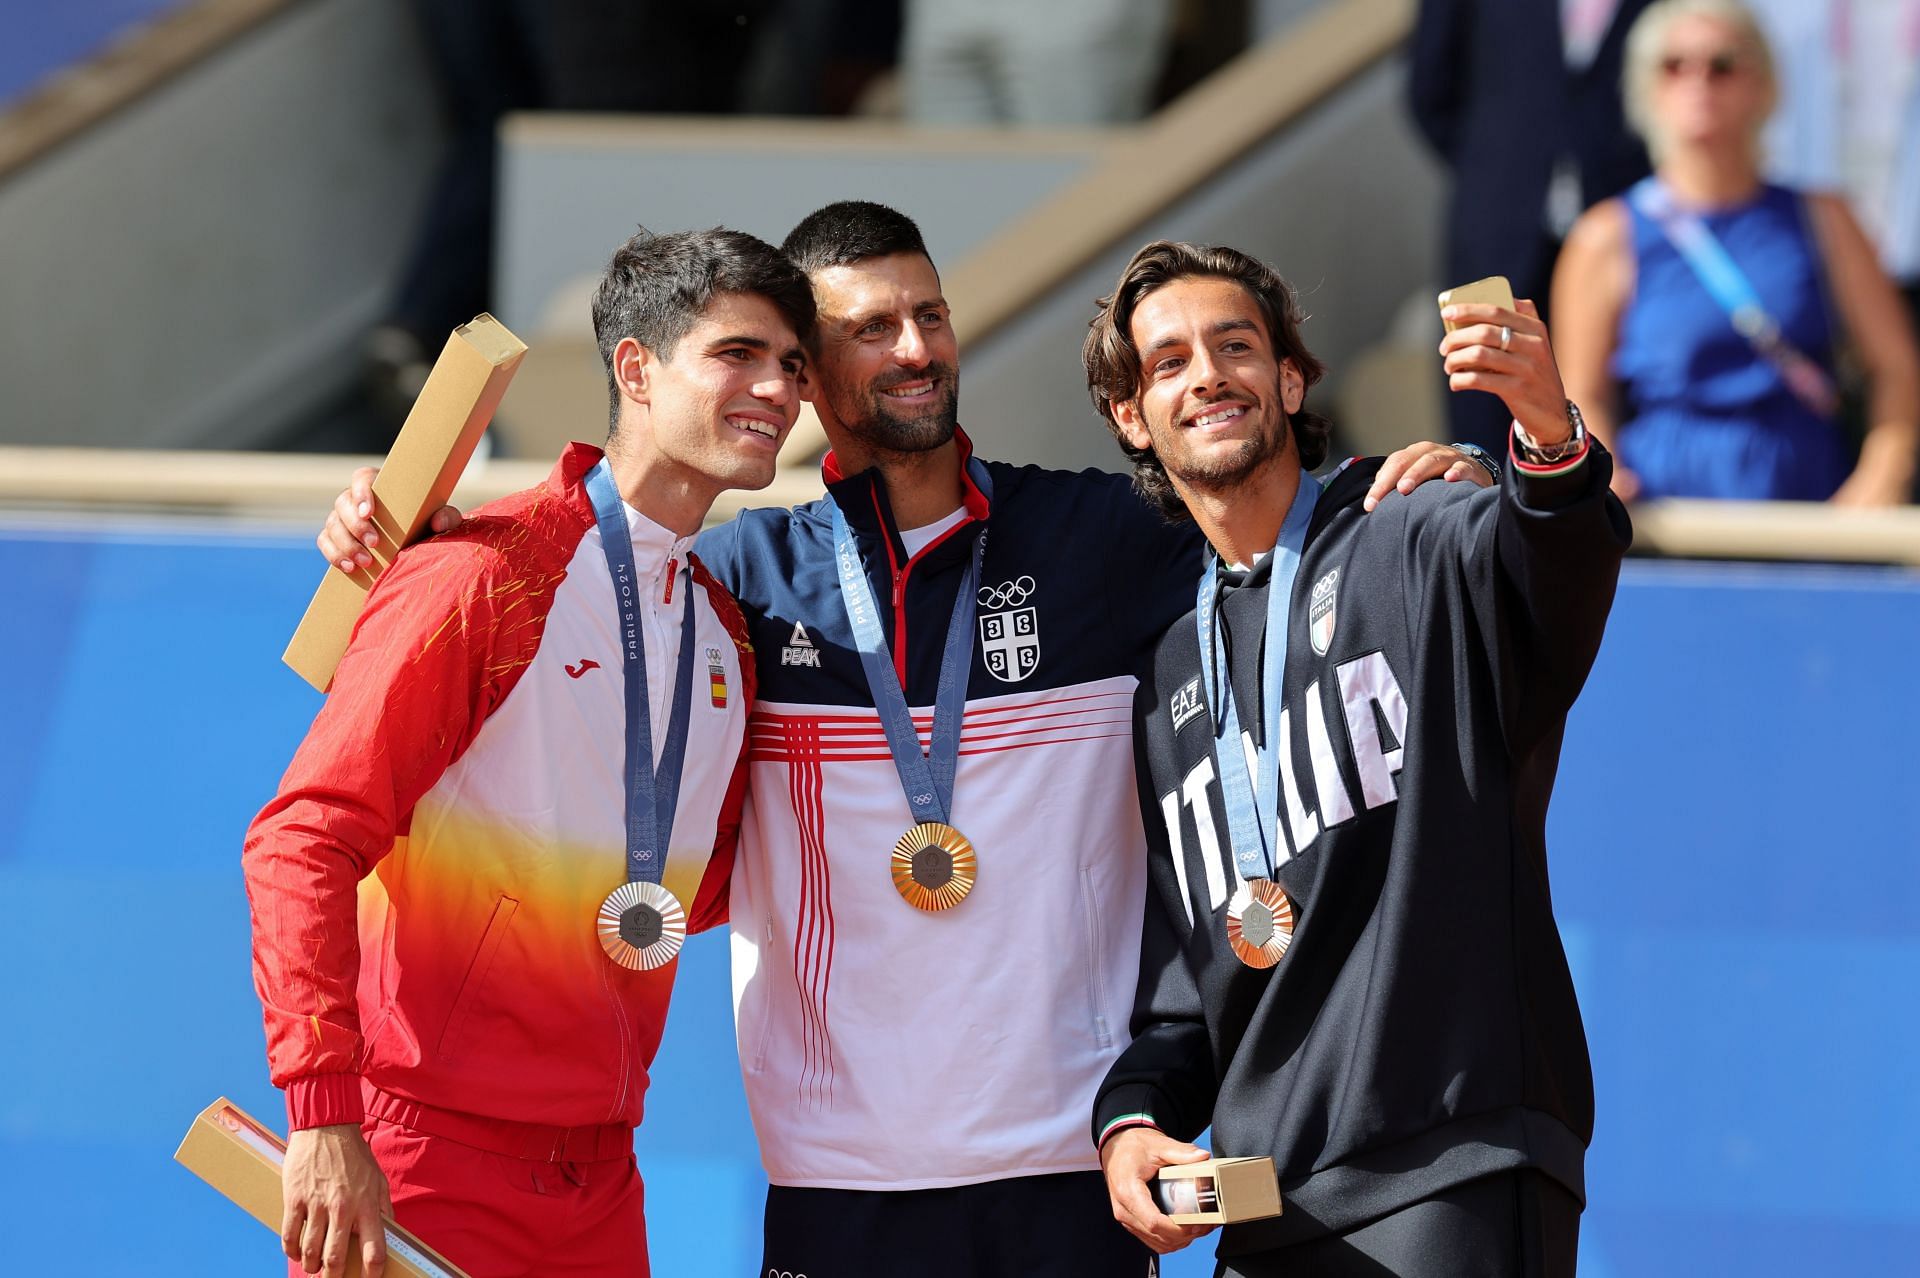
(763, 1014)
(453, 1038)
(1096, 978)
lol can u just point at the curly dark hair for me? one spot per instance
(1113, 362)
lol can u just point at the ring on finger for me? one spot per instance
(1506, 336)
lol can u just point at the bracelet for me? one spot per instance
(1535, 454)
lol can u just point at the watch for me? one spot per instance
(1475, 453)
(1552, 454)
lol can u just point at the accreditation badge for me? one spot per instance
(641, 926)
(934, 867)
(1259, 923)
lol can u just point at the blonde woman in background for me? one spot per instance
(1698, 316)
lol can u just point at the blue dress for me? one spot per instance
(1705, 415)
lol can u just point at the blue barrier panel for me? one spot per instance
(42, 39)
(1736, 867)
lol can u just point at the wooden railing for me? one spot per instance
(299, 489)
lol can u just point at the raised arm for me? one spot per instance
(1538, 564)
(1882, 332)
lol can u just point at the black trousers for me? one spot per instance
(1033, 1227)
(1515, 1225)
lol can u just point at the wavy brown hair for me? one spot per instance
(1113, 362)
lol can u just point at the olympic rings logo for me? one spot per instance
(783, 1273)
(1010, 594)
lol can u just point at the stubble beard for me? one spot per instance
(1225, 474)
(881, 427)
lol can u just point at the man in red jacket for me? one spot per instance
(525, 784)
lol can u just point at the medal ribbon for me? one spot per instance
(652, 793)
(926, 778)
(1253, 812)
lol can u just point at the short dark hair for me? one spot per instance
(851, 231)
(656, 288)
(1113, 362)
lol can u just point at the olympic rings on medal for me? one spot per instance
(1009, 594)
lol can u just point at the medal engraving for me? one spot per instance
(1256, 925)
(934, 866)
(641, 926)
(1259, 923)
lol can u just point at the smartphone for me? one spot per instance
(1494, 290)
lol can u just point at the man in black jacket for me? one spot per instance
(1350, 962)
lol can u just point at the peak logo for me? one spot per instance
(800, 650)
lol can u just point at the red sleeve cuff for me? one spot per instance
(1543, 470)
(324, 1100)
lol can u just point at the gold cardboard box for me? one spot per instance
(433, 447)
(230, 1150)
(1219, 1191)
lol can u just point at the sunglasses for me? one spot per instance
(1716, 66)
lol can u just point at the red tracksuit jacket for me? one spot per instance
(465, 775)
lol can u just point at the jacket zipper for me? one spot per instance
(899, 575)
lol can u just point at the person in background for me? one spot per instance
(1700, 314)
(1521, 99)
(1070, 62)
(495, 57)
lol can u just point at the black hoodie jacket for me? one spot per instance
(1422, 1030)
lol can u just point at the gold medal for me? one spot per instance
(933, 866)
(641, 926)
(1259, 922)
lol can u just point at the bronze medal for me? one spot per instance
(641, 926)
(933, 866)
(1259, 923)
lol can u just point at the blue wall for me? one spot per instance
(43, 38)
(1735, 863)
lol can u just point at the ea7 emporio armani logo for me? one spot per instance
(586, 664)
(1185, 703)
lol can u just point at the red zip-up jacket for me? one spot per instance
(461, 793)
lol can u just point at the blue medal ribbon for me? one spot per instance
(652, 793)
(927, 779)
(1253, 812)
